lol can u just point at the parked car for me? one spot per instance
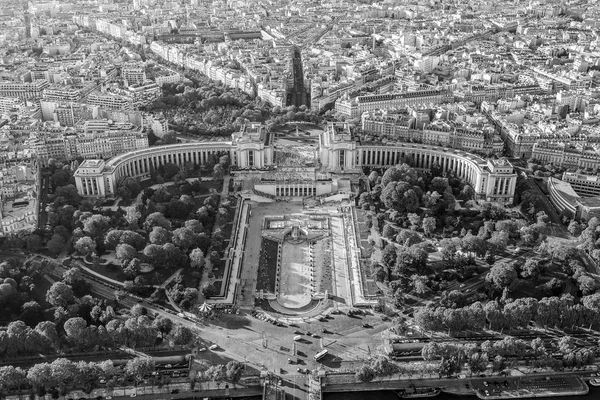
(213, 347)
(201, 349)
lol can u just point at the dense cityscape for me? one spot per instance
(308, 200)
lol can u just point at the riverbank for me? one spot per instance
(594, 394)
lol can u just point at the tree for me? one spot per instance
(159, 235)
(365, 373)
(170, 170)
(96, 225)
(373, 177)
(40, 376)
(414, 220)
(31, 313)
(400, 196)
(180, 335)
(388, 231)
(76, 330)
(137, 310)
(132, 216)
(155, 254)
(156, 219)
(56, 244)
(7, 293)
(498, 242)
(85, 246)
(531, 268)
(477, 362)
(218, 172)
(60, 294)
(140, 367)
(216, 373)
(197, 258)
(383, 367)
(502, 275)
(574, 228)
(209, 290)
(163, 325)
(12, 378)
(419, 282)
(33, 242)
(429, 224)
(233, 371)
(125, 253)
(133, 239)
(184, 238)
(388, 255)
(586, 284)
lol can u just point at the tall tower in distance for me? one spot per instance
(27, 22)
(296, 95)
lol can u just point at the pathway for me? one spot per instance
(81, 265)
(169, 279)
(341, 287)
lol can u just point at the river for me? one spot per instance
(594, 394)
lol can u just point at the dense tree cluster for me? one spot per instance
(17, 290)
(88, 324)
(61, 376)
(559, 312)
(501, 354)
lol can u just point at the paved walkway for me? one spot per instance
(169, 279)
(82, 265)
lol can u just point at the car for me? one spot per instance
(298, 332)
(462, 285)
(486, 384)
(297, 338)
(487, 393)
(102, 381)
(180, 315)
(366, 325)
(290, 361)
(201, 349)
(322, 319)
(309, 333)
(213, 347)
(169, 366)
(133, 395)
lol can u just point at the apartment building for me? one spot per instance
(23, 90)
(133, 74)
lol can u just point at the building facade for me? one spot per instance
(339, 153)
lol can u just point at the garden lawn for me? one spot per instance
(228, 227)
(219, 269)
(267, 266)
(158, 275)
(205, 187)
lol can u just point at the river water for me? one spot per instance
(594, 394)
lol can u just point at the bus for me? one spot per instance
(320, 355)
